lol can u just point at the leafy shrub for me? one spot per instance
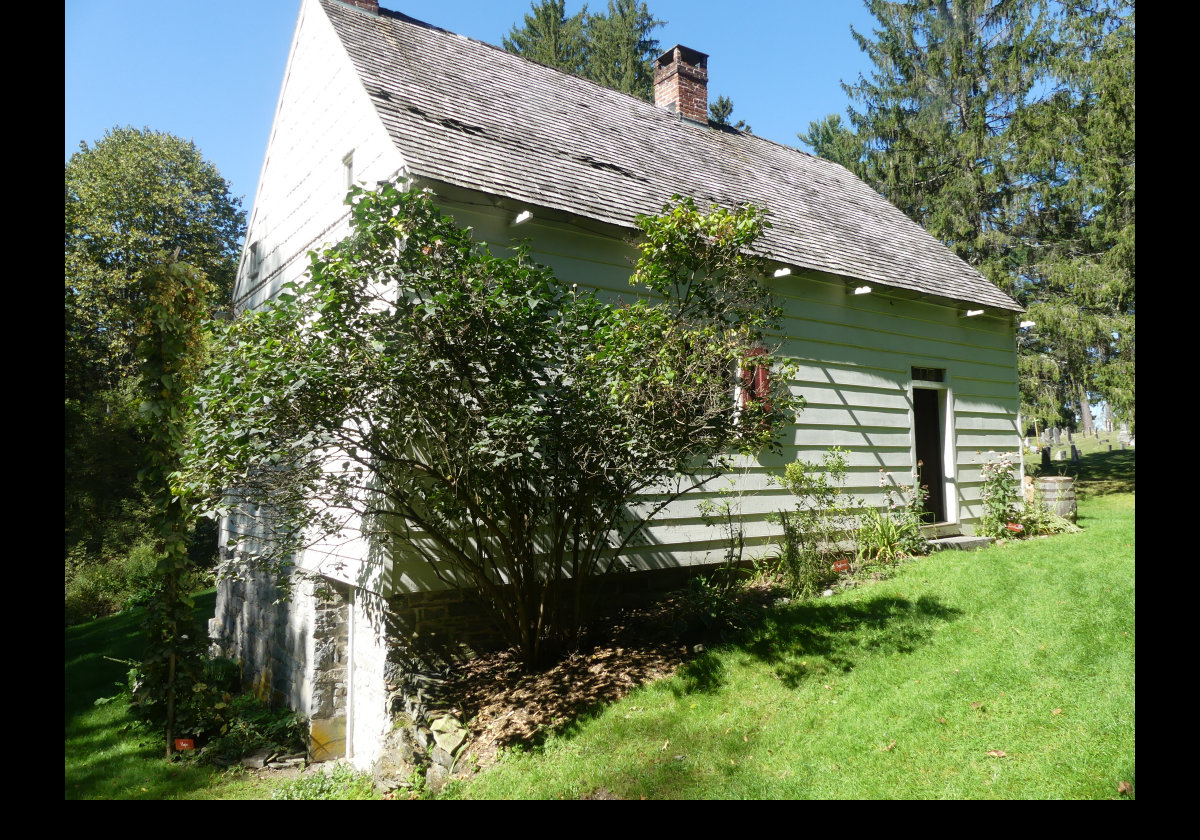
(805, 572)
(1037, 519)
(338, 782)
(245, 724)
(95, 588)
(224, 724)
(1000, 483)
(822, 528)
(711, 607)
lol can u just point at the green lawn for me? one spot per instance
(895, 689)
(105, 757)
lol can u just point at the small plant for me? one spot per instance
(885, 537)
(209, 710)
(879, 537)
(247, 724)
(822, 528)
(338, 782)
(1037, 519)
(1000, 486)
(710, 607)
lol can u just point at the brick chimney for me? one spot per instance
(681, 83)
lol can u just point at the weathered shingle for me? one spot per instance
(470, 114)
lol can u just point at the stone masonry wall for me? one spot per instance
(292, 652)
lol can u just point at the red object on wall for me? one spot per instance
(756, 381)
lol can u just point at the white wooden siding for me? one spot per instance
(854, 356)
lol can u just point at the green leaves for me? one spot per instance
(476, 413)
(1007, 131)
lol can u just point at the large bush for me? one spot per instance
(477, 413)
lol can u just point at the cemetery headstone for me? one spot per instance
(1046, 458)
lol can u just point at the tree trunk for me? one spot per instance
(1085, 412)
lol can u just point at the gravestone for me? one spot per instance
(1123, 435)
(1060, 455)
(1056, 433)
(1074, 454)
(1046, 458)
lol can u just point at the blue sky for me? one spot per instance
(210, 70)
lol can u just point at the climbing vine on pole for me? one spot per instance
(170, 335)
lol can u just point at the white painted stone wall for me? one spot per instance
(369, 721)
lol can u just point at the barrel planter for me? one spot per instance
(1058, 491)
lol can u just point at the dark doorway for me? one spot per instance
(928, 433)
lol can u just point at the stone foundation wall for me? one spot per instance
(330, 651)
(291, 653)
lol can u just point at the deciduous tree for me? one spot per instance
(474, 413)
(130, 197)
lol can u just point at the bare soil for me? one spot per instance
(504, 705)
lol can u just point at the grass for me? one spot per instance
(106, 758)
(897, 689)
(1100, 471)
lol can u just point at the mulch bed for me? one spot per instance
(504, 705)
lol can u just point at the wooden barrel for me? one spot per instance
(1058, 491)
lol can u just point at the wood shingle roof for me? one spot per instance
(467, 113)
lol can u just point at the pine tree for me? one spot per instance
(1079, 285)
(720, 112)
(614, 49)
(1005, 128)
(620, 51)
(550, 37)
(830, 139)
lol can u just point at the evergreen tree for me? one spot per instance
(720, 112)
(550, 37)
(830, 139)
(620, 51)
(614, 49)
(1079, 285)
(1005, 128)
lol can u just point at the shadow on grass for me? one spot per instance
(107, 756)
(838, 633)
(94, 650)
(1101, 473)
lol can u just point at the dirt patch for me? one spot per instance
(504, 705)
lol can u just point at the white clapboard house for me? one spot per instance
(922, 367)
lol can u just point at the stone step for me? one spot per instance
(958, 543)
